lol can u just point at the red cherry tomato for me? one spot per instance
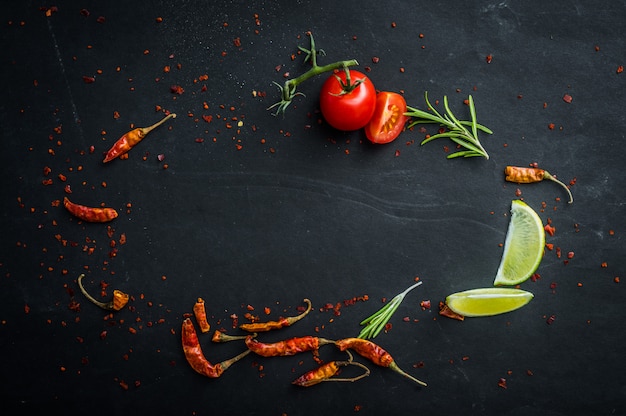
(350, 110)
(388, 119)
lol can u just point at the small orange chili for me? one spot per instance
(375, 354)
(328, 370)
(519, 174)
(200, 312)
(120, 299)
(281, 323)
(130, 139)
(89, 214)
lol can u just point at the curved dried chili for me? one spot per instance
(120, 299)
(195, 357)
(281, 323)
(89, 214)
(375, 354)
(130, 139)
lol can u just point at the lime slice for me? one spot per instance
(487, 301)
(523, 246)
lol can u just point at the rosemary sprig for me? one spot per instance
(377, 321)
(461, 132)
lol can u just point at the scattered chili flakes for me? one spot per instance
(550, 319)
(425, 304)
(567, 98)
(616, 279)
(502, 383)
(489, 58)
(177, 89)
(619, 69)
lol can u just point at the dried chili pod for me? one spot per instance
(518, 174)
(281, 323)
(120, 299)
(130, 139)
(375, 354)
(195, 357)
(326, 371)
(200, 313)
(287, 347)
(89, 214)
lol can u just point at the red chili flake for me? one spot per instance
(518, 192)
(570, 255)
(535, 277)
(100, 19)
(237, 42)
(425, 304)
(199, 140)
(397, 153)
(489, 58)
(550, 319)
(177, 89)
(620, 69)
(553, 285)
(502, 383)
(558, 252)
(551, 126)
(375, 59)
(604, 265)
(84, 12)
(550, 246)
(616, 279)
(88, 80)
(567, 98)
(549, 229)
(160, 157)
(26, 309)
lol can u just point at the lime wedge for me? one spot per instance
(523, 246)
(487, 301)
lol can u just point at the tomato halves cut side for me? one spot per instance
(347, 111)
(388, 119)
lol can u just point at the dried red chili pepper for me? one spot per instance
(130, 139)
(89, 214)
(328, 370)
(200, 312)
(374, 353)
(281, 323)
(219, 336)
(287, 347)
(195, 357)
(120, 299)
(519, 174)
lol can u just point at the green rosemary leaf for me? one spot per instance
(473, 115)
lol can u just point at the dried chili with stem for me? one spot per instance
(281, 323)
(462, 132)
(326, 371)
(120, 299)
(375, 354)
(219, 336)
(289, 89)
(89, 214)
(130, 139)
(200, 313)
(377, 321)
(519, 174)
(287, 347)
(195, 357)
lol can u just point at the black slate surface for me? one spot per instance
(279, 209)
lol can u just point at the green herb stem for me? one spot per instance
(462, 132)
(375, 323)
(289, 89)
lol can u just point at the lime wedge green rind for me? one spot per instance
(488, 301)
(523, 246)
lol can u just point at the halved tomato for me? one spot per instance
(388, 119)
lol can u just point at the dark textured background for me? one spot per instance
(304, 211)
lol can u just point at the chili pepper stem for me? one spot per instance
(293, 319)
(108, 306)
(146, 130)
(220, 336)
(398, 370)
(227, 363)
(549, 177)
